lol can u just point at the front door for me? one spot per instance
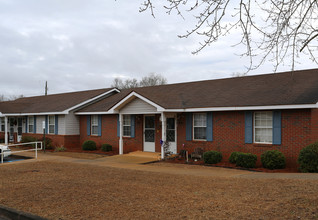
(11, 130)
(149, 133)
(171, 135)
(19, 137)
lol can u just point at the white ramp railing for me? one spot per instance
(36, 148)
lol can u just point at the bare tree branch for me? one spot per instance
(281, 29)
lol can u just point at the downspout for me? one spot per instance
(6, 130)
(121, 149)
(163, 132)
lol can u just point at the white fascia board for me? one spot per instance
(158, 107)
(41, 113)
(112, 113)
(94, 113)
(270, 107)
(91, 100)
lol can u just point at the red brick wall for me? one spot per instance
(2, 135)
(314, 125)
(299, 128)
(109, 134)
(229, 135)
(68, 141)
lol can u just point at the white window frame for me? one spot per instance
(265, 127)
(127, 124)
(193, 126)
(30, 124)
(2, 123)
(51, 124)
(94, 123)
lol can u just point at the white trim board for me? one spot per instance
(116, 108)
(41, 113)
(215, 109)
(111, 113)
(91, 100)
(270, 107)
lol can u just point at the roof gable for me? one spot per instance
(57, 103)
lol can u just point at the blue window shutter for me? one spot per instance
(26, 124)
(88, 127)
(34, 127)
(99, 125)
(56, 124)
(132, 126)
(189, 126)
(209, 126)
(118, 127)
(248, 127)
(277, 127)
(46, 124)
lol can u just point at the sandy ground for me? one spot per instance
(70, 190)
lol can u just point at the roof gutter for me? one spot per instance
(41, 113)
(215, 109)
(246, 108)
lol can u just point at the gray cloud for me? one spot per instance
(78, 45)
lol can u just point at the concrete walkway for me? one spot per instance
(137, 160)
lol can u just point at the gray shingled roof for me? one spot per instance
(49, 103)
(288, 88)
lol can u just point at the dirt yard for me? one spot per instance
(60, 190)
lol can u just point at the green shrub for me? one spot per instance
(233, 157)
(273, 159)
(27, 139)
(60, 149)
(48, 143)
(246, 160)
(308, 159)
(212, 157)
(89, 145)
(107, 147)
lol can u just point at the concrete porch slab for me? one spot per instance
(137, 157)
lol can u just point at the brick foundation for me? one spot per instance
(68, 141)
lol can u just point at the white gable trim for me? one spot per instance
(91, 100)
(115, 109)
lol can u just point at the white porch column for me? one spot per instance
(6, 130)
(121, 147)
(163, 132)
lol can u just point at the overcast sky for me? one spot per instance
(80, 45)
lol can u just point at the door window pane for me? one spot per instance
(149, 122)
(149, 135)
(171, 134)
(149, 128)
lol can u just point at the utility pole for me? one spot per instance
(45, 87)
